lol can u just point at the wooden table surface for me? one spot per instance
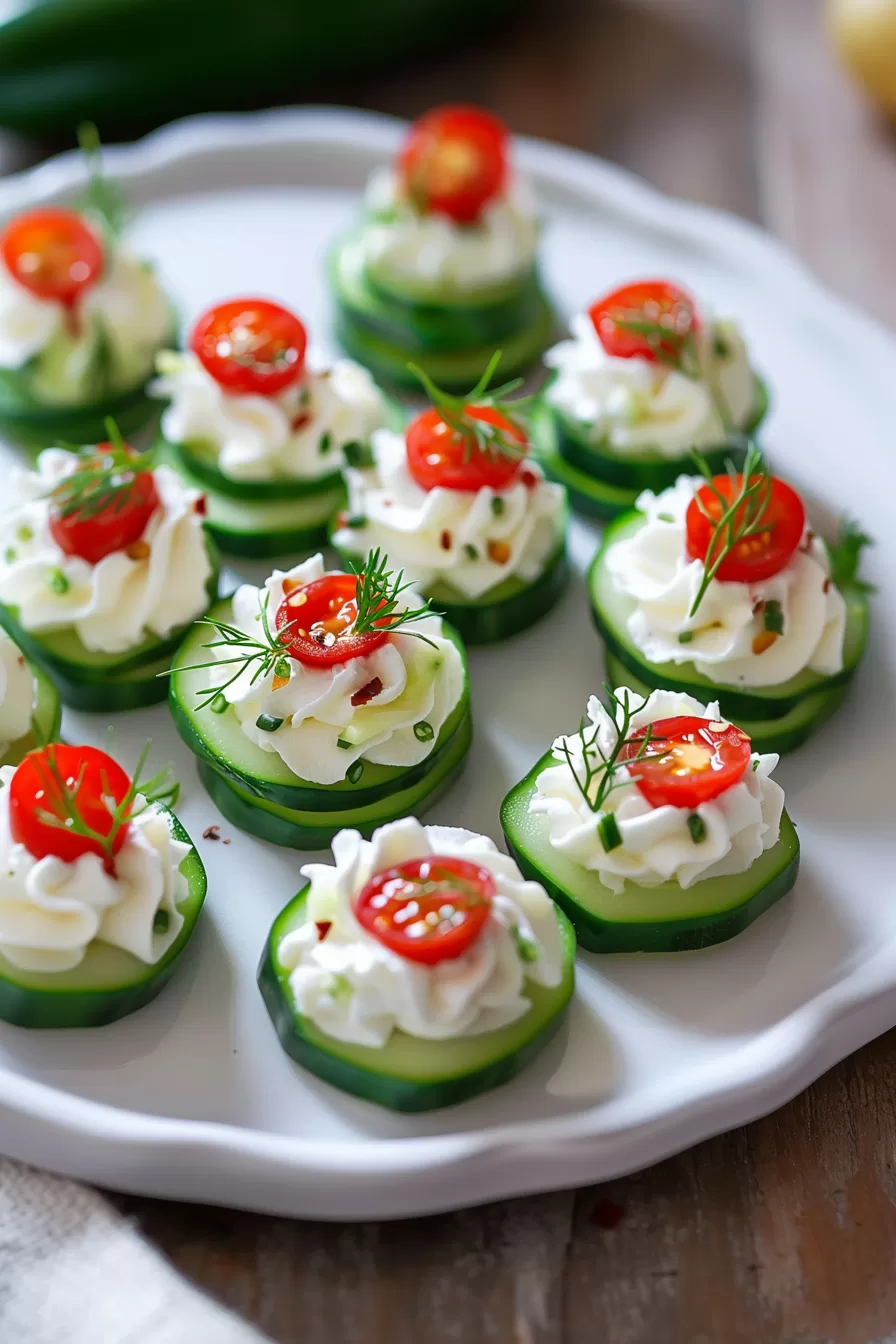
(784, 1230)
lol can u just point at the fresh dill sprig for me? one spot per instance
(103, 481)
(674, 344)
(845, 555)
(741, 515)
(102, 196)
(480, 435)
(600, 771)
(378, 594)
(159, 788)
(269, 653)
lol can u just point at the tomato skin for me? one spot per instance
(52, 253)
(321, 614)
(386, 907)
(454, 162)
(35, 787)
(113, 528)
(646, 300)
(250, 346)
(438, 455)
(698, 760)
(756, 557)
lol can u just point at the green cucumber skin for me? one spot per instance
(46, 720)
(687, 934)
(39, 1000)
(46, 427)
(208, 476)
(758, 703)
(782, 736)
(409, 1095)
(649, 472)
(587, 496)
(301, 795)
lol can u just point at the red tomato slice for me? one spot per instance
(62, 780)
(689, 761)
(53, 253)
(427, 910)
(115, 511)
(655, 303)
(250, 346)
(454, 162)
(776, 509)
(320, 616)
(439, 455)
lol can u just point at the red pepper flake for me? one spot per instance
(201, 506)
(342, 518)
(528, 478)
(498, 552)
(810, 537)
(300, 421)
(367, 693)
(826, 585)
(323, 927)
(607, 1214)
(758, 606)
(445, 540)
(212, 833)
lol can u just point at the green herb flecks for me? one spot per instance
(526, 947)
(741, 515)
(481, 435)
(845, 555)
(103, 480)
(378, 596)
(773, 617)
(597, 775)
(102, 197)
(696, 828)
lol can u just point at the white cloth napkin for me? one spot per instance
(74, 1271)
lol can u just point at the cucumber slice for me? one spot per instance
(310, 830)
(782, 735)
(588, 496)
(665, 918)
(219, 740)
(200, 462)
(407, 1073)
(261, 529)
(36, 426)
(611, 610)
(46, 720)
(109, 983)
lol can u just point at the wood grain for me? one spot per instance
(785, 1230)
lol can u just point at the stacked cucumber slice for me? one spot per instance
(46, 719)
(257, 792)
(451, 334)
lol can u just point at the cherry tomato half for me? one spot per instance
(454, 162)
(427, 910)
(653, 307)
(53, 253)
(67, 781)
(250, 346)
(439, 455)
(776, 509)
(320, 616)
(689, 761)
(104, 507)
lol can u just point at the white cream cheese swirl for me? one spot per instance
(297, 435)
(115, 604)
(637, 406)
(470, 539)
(16, 693)
(653, 570)
(418, 685)
(355, 989)
(125, 312)
(50, 910)
(431, 251)
(657, 845)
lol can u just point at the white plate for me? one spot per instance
(193, 1098)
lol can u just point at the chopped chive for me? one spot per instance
(773, 617)
(161, 921)
(9, 555)
(608, 831)
(57, 582)
(268, 723)
(685, 636)
(526, 949)
(697, 828)
(720, 348)
(470, 551)
(24, 533)
(666, 517)
(326, 442)
(354, 772)
(755, 765)
(343, 744)
(356, 520)
(423, 731)
(219, 704)
(358, 454)
(498, 505)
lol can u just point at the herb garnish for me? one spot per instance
(599, 770)
(845, 555)
(103, 481)
(480, 435)
(102, 197)
(674, 344)
(741, 516)
(377, 597)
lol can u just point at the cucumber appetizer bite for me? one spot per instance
(419, 969)
(655, 826)
(718, 586)
(442, 269)
(81, 319)
(103, 563)
(643, 381)
(263, 426)
(458, 503)
(30, 712)
(100, 888)
(322, 700)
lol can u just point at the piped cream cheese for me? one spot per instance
(16, 693)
